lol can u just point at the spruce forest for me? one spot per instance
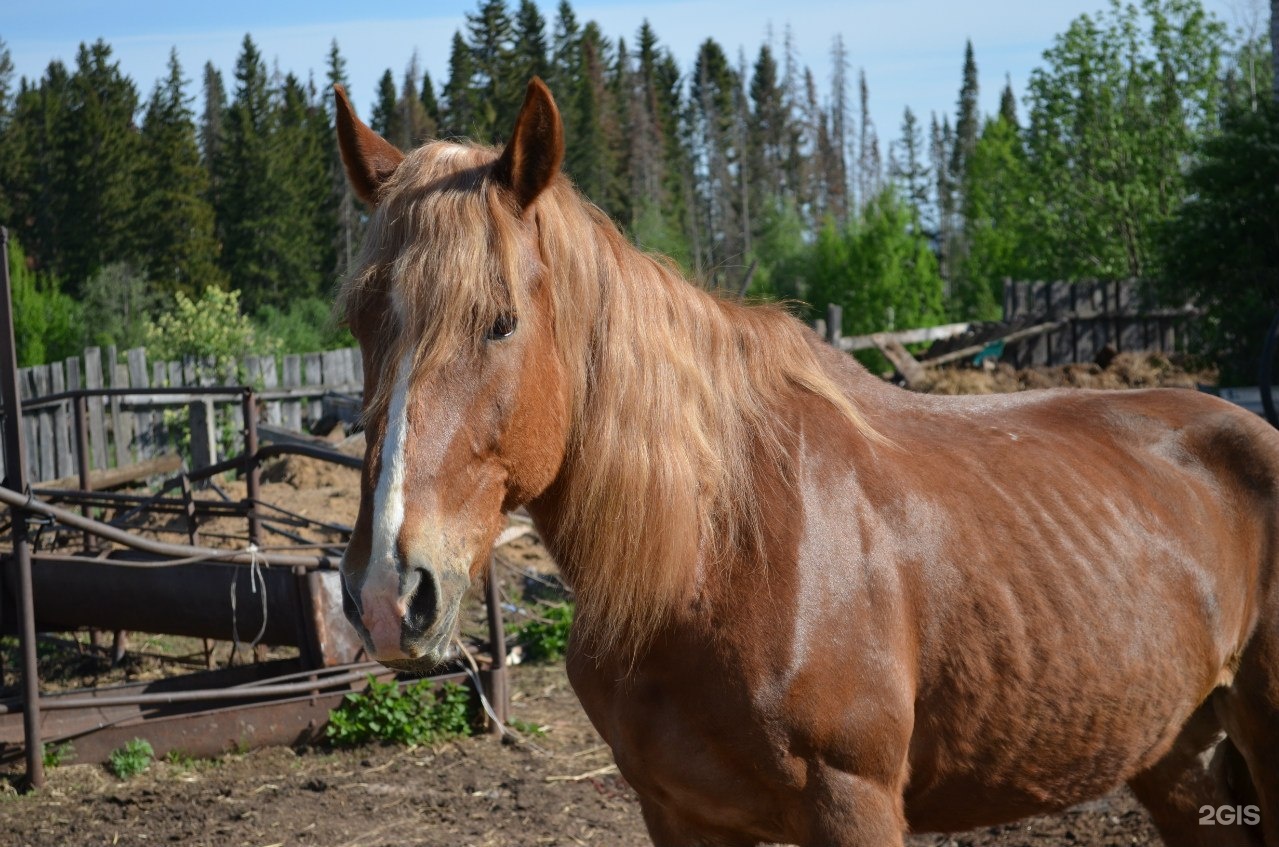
(1146, 145)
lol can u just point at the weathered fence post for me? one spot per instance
(16, 480)
(834, 324)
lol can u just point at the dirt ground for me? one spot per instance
(555, 787)
(559, 788)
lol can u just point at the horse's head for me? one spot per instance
(466, 404)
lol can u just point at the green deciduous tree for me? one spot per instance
(1114, 117)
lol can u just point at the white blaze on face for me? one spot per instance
(382, 605)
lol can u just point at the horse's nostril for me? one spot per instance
(349, 606)
(424, 605)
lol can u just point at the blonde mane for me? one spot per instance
(675, 391)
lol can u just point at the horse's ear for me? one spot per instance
(533, 155)
(369, 158)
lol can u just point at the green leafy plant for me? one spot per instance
(212, 326)
(131, 759)
(412, 715)
(58, 754)
(546, 639)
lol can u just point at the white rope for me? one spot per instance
(256, 563)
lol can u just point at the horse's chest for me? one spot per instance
(696, 746)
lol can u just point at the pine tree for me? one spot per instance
(490, 33)
(837, 184)
(909, 171)
(967, 118)
(297, 258)
(769, 130)
(212, 135)
(461, 101)
(591, 158)
(409, 125)
(869, 166)
(565, 72)
(531, 49)
(430, 105)
(98, 146)
(713, 94)
(1008, 103)
(178, 246)
(249, 197)
(8, 155)
(383, 116)
(341, 199)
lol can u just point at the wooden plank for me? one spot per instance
(907, 365)
(73, 383)
(159, 375)
(31, 427)
(97, 414)
(48, 461)
(312, 374)
(270, 382)
(907, 336)
(175, 374)
(146, 423)
(233, 374)
(357, 367)
(162, 465)
(121, 421)
(204, 438)
(63, 455)
(973, 350)
(292, 409)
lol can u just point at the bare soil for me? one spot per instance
(553, 786)
(559, 788)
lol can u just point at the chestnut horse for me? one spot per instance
(812, 608)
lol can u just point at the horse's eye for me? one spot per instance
(502, 327)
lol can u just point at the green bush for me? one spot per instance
(412, 715)
(46, 320)
(306, 326)
(211, 326)
(131, 759)
(546, 640)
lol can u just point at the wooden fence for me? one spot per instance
(1093, 314)
(296, 390)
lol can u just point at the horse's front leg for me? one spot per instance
(670, 829)
(852, 811)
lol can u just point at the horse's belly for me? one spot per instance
(1041, 749)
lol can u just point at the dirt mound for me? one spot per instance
(1124, 370)
(302, 472)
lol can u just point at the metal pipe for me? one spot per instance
(497, 641)
(15, 485)
(161, 699)
(252, 465)
(79, 405)
(159, 548)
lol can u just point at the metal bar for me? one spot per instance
(498, 697)
(160, 699)
(81, 408)
(15, 482)
(252, 464)
(158, 548)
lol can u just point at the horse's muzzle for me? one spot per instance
(414, 631)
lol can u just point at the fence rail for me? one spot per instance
(140, 410)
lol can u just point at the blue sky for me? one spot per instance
(912, 50)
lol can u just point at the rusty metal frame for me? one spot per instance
(288, 706)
